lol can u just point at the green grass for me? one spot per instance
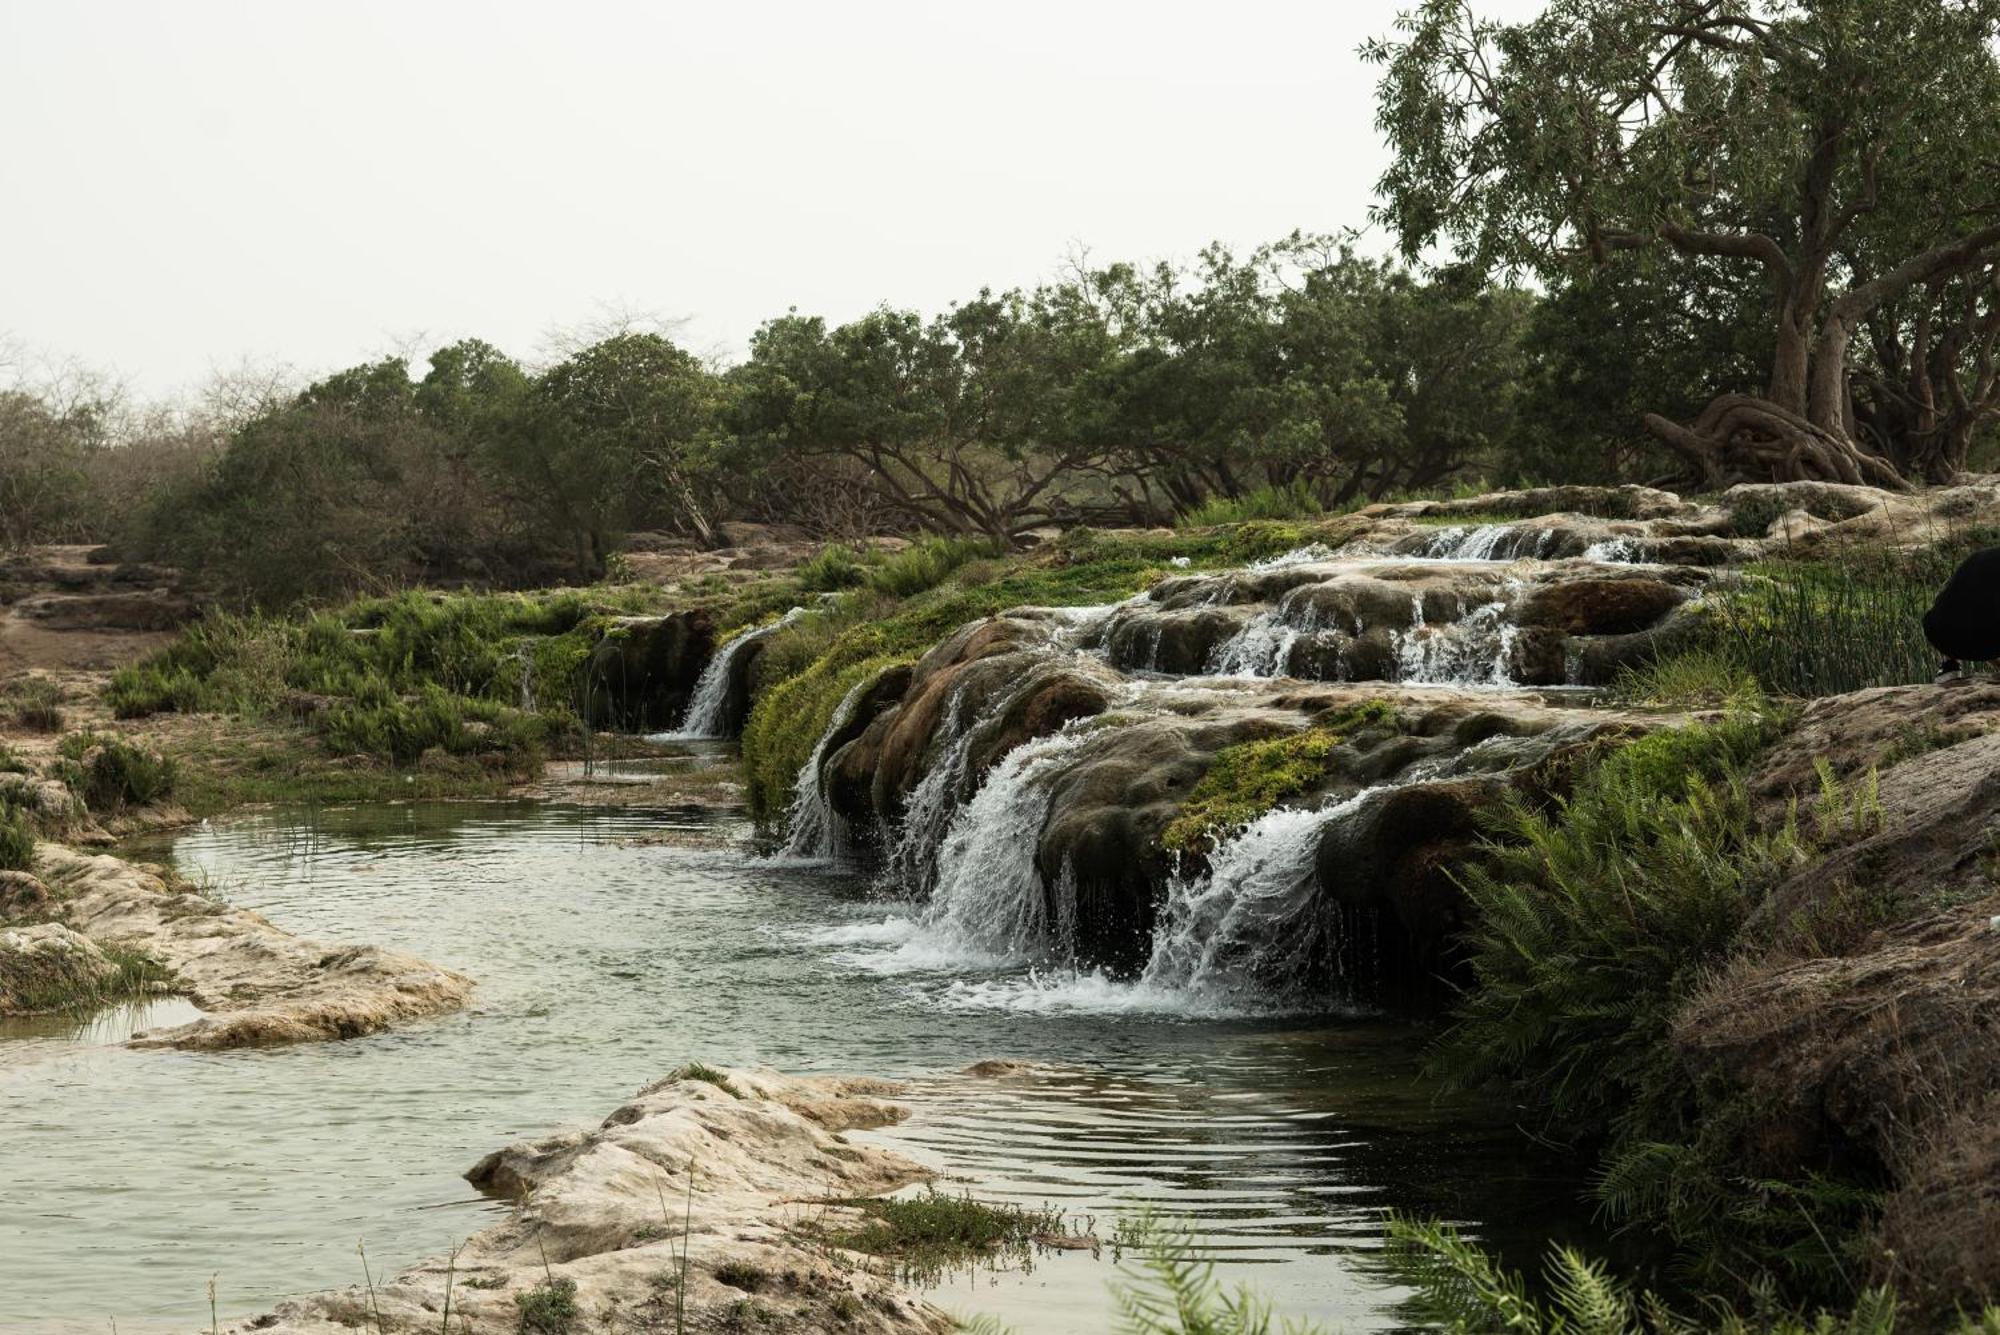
(1293, 502)
(17, 838)
(925, 564)
(837, 566)
(53, 984)
(1243, 782)
(393, 677)
(707, 1075)
(932, 1233)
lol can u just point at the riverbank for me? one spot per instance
(1254, 771)
(707, 1202)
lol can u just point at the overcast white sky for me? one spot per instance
(198, 182)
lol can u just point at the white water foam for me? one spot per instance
(814, 833)
(1477, 650)
(704, 718)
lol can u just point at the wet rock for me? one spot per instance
(260, 984)
(45, 960)
(589, 1215)
(1599, 606)
(641, 675)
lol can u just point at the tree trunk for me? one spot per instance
(1742, 438)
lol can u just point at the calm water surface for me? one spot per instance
(611, 946)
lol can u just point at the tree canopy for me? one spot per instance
(1841, 155)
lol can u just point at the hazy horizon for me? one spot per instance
(207, 183)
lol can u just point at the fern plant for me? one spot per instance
(1459, 1287)
(1170, 1288)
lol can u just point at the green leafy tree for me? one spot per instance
(609, 436)
(1801, 142)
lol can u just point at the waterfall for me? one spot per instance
(1623, 550)
(814, 832)
(1252, 923)
(988, 902)
(1477, 651)
(912, 865)
(705, 718)
(1263, 647)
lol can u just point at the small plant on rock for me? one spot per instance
(547, 1309)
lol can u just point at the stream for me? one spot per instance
(611, 945)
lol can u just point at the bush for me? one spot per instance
(1593, 921)
(836, 567)
(1295, 501)
(37, 704)
(548, 1309)
(926, 564)
(110, 774)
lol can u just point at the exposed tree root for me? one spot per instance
(1742, 438)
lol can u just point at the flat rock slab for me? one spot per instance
(611, 1211)
(261, 985)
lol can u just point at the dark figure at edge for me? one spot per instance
(1964, 621)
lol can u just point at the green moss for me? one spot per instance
(1243, 782)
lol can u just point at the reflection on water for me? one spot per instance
(610, 946)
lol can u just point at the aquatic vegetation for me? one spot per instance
(707, 1075)
(1169, 1288)
(932, 1233)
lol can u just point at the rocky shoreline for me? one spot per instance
(259, 984)
(607, 1228)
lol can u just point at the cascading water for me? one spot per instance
(1478, 650)
(706, 717)
(1252, 925)
(813, 827)
(988, 905)
(1616, 550)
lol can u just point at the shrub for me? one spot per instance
(1295, 501)
(1593, 921)
(836, 567)
(549, 1308)
(37, 704)
(926, 564)
(1456, 1285)
(110, 774)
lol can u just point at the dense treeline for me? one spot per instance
(1301, 376)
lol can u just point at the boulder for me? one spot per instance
(23, 897)
(641, 675)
